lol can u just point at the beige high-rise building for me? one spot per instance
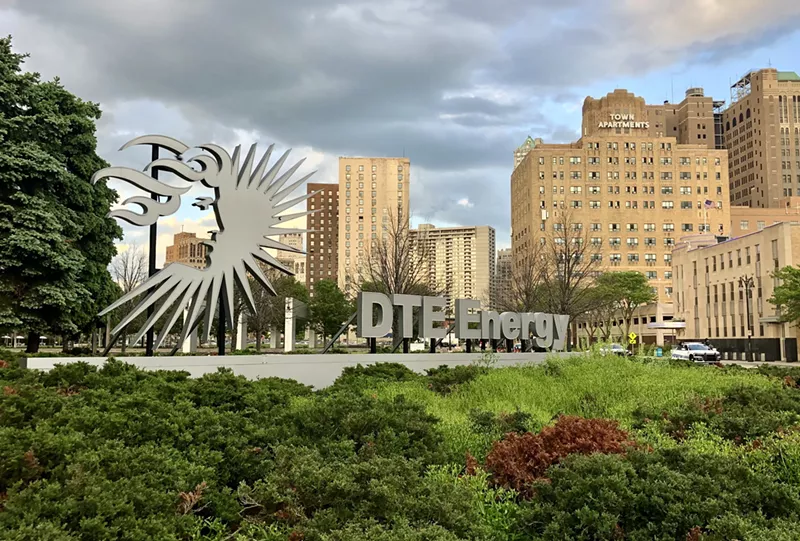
(296, 262)
(711, 285)
(697, 120)
(762, 135)
(504, 273)
(188, 249)
(460, 261)
(630, 189)
(373, 193)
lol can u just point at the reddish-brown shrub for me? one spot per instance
(695, 534)
(188, 500)
(789, 381)
(518, 460)
(4, 364)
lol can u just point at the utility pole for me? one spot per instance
(151, 261)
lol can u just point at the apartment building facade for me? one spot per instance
(373, 194)
(294, 261)
(629, 188)
(322, 253)
(723, 287)
(762, 134)
(459, 261)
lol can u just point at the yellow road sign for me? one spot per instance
(632, 338)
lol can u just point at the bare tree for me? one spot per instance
(129, 269)
(524, 292)
(397, 262)
(599, 315)
(569, 265)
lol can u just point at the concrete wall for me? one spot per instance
(317, 370)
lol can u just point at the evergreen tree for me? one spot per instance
(57, 239)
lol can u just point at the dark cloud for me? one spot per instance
(455, 85)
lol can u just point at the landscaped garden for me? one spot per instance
(587, 448)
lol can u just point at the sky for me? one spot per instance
(455, 85)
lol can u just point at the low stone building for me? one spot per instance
(722, 286)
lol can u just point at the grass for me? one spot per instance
(590, 386)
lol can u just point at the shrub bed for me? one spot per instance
(589, 448)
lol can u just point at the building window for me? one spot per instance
(744, 225)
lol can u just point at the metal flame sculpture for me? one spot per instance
(248, 202)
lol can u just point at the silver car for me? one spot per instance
(696, 352)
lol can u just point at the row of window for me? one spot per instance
(665, 190)
(634, 241)
(374, 168)
(630, 227)
(629, 160)
(667, 205)
(629, 146)
(629, 175)
(374, 177)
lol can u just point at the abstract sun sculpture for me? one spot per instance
(248, 202)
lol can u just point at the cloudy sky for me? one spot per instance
(456, 85)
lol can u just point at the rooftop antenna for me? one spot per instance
(769, 62)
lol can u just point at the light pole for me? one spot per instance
(746, 284)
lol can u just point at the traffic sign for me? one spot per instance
(632, 338)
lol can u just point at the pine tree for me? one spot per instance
(57, 240)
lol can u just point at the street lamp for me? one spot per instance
(746, 284)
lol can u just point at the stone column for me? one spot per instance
(190, 344)
(241, 332)
(312, 339)
(273, 337)
(288, 329)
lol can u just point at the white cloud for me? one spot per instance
(465, 203)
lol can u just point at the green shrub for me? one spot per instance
(362, 377)
(495, 425)
(660, 495)
(446, 379)
(742, 414)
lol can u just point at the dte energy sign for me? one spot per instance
(549, 331)
(623, 121)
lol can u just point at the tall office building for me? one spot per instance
(762, 135)
(188, 249)
(322, 252)
(373, 192)
(460, 261)
(630, 188)
(296, 262)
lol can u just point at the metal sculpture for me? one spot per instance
(248, 202)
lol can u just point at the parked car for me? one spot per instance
(614, 349)
(696, 352)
